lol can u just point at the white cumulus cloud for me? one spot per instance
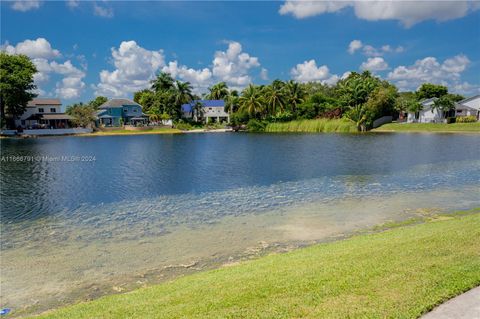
(308, 71)
(374, 64)
(429, 69)
(135, 67)
(200, 79)
(232, 66)
(407, 12)
(44, 57)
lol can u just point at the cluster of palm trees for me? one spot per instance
(260, 101)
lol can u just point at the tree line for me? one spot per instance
(359, 97)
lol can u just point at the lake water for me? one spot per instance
(86, 216)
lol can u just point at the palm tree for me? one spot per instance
(183, 92)
(163, 82)
(251, 101)
(274, 98)
(218, 91)
(197, 110)
(231, 102)
(294, 93)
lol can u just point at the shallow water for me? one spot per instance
(149, 208)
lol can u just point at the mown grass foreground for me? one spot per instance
(429, 127)
(399, 273)
(313, 126)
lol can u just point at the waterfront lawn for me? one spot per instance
(429, 127)
(313, 126)
(399, 273)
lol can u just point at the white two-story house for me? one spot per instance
(43, 113)
(212, 111)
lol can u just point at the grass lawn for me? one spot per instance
(429, 127)
(399, 273)
(162, 130)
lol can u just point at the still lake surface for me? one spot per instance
(119, 212)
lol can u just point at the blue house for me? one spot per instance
(212, 111)
(117, 112)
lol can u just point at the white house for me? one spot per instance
(45, 113)
(468, 107)
(428, 114)
(213, 111)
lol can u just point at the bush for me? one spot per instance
(239, 118)
(255, 126)
(314, 126)
(466, 119)
(183, 126)
(451, 120)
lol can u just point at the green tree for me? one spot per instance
(294, 95)
(99, 100)
(163, 82)
(16, 85)
(84, 115)
(444, 104)
(218, 91)
(183, 93)
(251, 101)
(198, 110)
(274, 96)
(429, 90)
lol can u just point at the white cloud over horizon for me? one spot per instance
(308, 71)
(408, 13)
(44, 57)
(429, 69)
(136, 66)
(102, 11)
(374, 64)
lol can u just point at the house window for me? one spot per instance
(40, 110)
(459, 111)
(53, 110)
(23, 122)
(134, 110)
(125, 110)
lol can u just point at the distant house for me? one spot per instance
(213, 111)
(116, 112)
(43, 113)
(468, 107)
(428, 114)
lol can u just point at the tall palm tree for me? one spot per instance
(252, 101)
(295, 94)
(163, 82)
(231, 102)
(218, 91)
(183, 92)
(197, 110)
(274, 98)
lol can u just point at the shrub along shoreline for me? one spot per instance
(399, 273)
(313, 126)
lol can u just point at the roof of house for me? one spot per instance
(206, 103)
(42, 101)
(118, 103)
(469, 99)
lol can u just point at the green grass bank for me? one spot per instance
(399, 273)
(313, 126)
(430, 127)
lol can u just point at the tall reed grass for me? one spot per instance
(314, 126)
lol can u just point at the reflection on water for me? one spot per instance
(152, 207)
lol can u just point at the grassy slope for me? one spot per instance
(429, 127)
(313, 126)
(400, 273)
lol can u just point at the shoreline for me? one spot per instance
(231, 268)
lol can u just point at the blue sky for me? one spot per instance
(83, 49)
